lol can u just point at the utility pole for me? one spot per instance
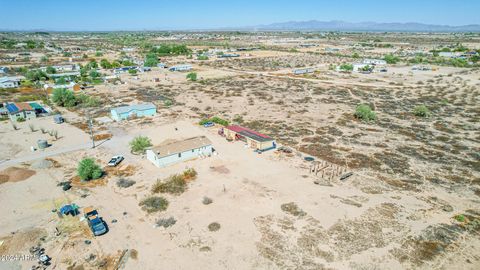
(90, 125)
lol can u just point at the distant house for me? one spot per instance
(185, 67)
(171, 152)
(65, 74)
(376, 62)
(123, 69)
(137, 110)
(70, 86)
(10, 82)
(298, 71)
(63, 68)
(20, 110)
(3, 70)
(253, 139)
(229, 55)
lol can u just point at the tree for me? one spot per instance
(421, 111)
(151, 60)
(98, 54)
(391, 59)
(94, 74)
(192, 76)
(105, 64)
(51, 70)
(44, 59)
(364, 112)
(89, 170)
(132, 71)
(202, 57)
(36, 75)
(61, 81)
(63, 97)
(139, 144)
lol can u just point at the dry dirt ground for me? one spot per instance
(413, 201)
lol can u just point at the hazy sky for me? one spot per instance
(190, 14)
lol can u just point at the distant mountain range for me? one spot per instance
(365, 26)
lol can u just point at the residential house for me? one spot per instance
(184, 67)
(375, 62)
(170, 152)
(20, 110)
(299, 71)
(10, 82)
(252, 138)
(132, 111)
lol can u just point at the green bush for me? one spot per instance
(88, 169)
(202, 57)
(421, 111)
(346, 67)
(364, 112)
(216, 120)
(391, 59)
(154, 204)
(192, 76)
(20, 119)
(139, 144)
(63, 97)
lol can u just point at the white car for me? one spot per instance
(114, 161)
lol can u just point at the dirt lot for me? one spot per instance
(412, 202)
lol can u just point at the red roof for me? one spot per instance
(240, 129)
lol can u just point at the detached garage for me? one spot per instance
(253, 139)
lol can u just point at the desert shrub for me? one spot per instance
(421, 111)
(125, 183)
(64, 97)
(293, 209)
(154, 204)
(192, 76)
(346, 67)
(189, 174)
(20, 119)
(88, 169)
(139, 144)
(175, 184)
(207, 200)
(214, 226)
(364, 112)
(166, 222)
(460, 218)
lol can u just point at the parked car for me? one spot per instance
(209, 124)
(114, 161)
(96, 223)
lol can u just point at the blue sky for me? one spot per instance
(189, 14)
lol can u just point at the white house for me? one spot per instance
(184, 67)
(171, 152)
(10, 82)
(137, 110)
(376, 62)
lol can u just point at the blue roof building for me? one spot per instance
(132, 111)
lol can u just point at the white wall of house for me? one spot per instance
(203, 151)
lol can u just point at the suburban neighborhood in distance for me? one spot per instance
(150, 135)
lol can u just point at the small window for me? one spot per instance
(179, 154)
(193, 150)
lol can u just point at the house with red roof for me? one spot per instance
(20, 110)
(253, 139)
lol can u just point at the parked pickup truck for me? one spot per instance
(96, 223)
(114, 161)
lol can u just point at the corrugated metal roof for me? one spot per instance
(18, 107)
(136, 107)
(249, 133)
(169, 147)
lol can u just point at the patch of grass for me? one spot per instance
(125, 183)
(460, 218)
(421, 111)
(154, 204)
(293, 209)
(166, 222)
(214, 226)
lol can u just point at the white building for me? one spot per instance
(184, 67)
(10, 82)
(375, 62)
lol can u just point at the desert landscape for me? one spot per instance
(375, 161)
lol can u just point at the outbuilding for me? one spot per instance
(10, 82)
(20, 110)
(253, 139)
(185, 67)
(132, 111)
(172, 151)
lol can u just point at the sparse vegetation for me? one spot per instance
(154, 204)
(175, 184)
(139, 144)
(192, 76)
(214, 226)
(365, 113)
(125, 183)
(166, 222)
(421, 111)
